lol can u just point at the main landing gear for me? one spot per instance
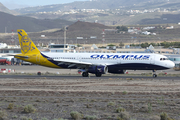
(98, 74)
(154, 74)
(85, 74)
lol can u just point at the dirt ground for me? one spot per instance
(102, 99)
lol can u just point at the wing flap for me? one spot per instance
(72, 62)
(77, 63)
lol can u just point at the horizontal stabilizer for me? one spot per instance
(19, 56)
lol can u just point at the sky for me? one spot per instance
(13, 4)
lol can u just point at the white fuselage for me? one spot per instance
(131, 61)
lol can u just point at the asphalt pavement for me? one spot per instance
(27, 71)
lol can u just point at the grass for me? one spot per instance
(25, 118)
(120, 109)
(76, 115)
(10, 106)
(124, 92)
(15, 117)
(129, 79)
(3, 115)
(44, 118)
(161, 100)
(111, 104)
(59, 119)
(149, 107)
(90, 117)
(29, 109)
(88, 106)
(123, 116)
(164, 116)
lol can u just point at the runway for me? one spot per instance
(90, 77)
(29, 72)
(36, 68)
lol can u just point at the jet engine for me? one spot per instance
(98, 69)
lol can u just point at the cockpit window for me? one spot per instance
(162, 59)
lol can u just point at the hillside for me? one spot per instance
(12, 22)
(78, 29)
(164, 19)
(114, 12)
(86, 30)
(104, 4)
(6, 10)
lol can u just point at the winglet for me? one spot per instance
(27, 46)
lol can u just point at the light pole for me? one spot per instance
(64, 38)
(76, 41)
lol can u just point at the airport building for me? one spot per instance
(10, 50)
(175, 59)
(61, 48)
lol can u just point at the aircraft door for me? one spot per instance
(118, 60)
(152, 59)
(79, 58)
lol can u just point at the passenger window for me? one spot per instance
(161, 59)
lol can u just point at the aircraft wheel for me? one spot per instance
(154, 75)
(98, 74)
(85, 74)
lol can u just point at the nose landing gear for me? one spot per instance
(154, 74)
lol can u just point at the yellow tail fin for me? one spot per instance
(27, 46)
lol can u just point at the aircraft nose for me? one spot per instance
(171, 64)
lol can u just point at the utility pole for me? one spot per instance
(12, 37)
(5, 29)
(64, 38)
(103, 36)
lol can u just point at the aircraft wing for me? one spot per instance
(73, 63)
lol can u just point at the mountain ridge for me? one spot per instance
(6, 10)
(12, 22)
(100, 4)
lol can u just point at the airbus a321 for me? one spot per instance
(94, 63)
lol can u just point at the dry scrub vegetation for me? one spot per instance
(89, 99)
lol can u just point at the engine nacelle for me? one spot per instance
(98, 69)
(117, 71)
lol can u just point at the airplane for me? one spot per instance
(94, 63)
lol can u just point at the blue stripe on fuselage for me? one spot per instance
(121, 56)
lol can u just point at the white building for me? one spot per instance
(3, 45)
(61, 48)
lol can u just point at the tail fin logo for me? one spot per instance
(25, 44)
